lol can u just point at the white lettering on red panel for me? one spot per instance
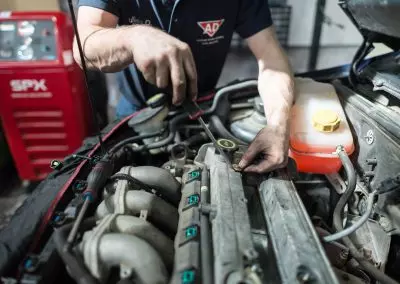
(28, 85)
(29, 88)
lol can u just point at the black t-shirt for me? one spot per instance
(206, 26)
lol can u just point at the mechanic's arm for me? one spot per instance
(276, 88)
(161, 58)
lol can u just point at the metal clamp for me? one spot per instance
(120, 193)
(91, 246)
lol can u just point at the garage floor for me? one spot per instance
(239, 64)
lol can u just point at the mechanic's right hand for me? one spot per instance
(164, 59)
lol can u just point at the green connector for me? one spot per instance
(191, 232)
(188, 277)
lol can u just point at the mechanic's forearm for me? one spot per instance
(106, 49)
(277, 92)
(276, 88)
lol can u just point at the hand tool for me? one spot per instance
(97, 178)
(195, 112)
(104, 168)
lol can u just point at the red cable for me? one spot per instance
(206, 98)
(50, 212)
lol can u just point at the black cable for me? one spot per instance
(133, 180)
(133, 139)
(84, 68)
(198, 138)
(351, 186)
(173, 126)
(337, 222)
(125, 281)
(361, 53)
(221, 130)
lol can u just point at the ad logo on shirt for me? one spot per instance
(136, 21)
(210, 28)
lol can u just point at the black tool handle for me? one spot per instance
(98, 177)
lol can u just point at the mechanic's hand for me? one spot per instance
(163, 59)
(268, 151)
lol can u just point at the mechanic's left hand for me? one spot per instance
(268, 151)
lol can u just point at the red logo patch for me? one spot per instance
(210, 27)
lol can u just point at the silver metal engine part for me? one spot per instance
(224, 203)
(208, 237)
(372, 240)
(298, 251)
(124, 238)
(247, 123)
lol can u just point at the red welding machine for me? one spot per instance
(43, 100)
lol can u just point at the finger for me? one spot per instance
(268, 164)
(162, 75)
(191, 74)
(178, 80)
(250, 155)
(263, 167)
(149, 74)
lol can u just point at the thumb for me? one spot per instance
(249, 156)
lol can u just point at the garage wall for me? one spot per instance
(5, 5)
(29, 5)
(302, 25)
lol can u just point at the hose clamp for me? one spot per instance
(339, 149)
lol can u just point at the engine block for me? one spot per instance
(213, 200)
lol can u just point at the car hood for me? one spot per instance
(377, 20)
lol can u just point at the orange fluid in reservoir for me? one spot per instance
(318, 125)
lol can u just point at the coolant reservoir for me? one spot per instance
(317, 126)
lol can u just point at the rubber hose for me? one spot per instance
(228, 89)
(76, 267)
(351, 229)
(337, 222)
(181, 117)
(351, 186)
(173, 126)
(199, 138)
(221, 130)
(133, 139)
(196, 139)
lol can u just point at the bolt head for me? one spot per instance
(56, 165)
(369, 137)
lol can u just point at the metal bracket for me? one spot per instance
(91, 246)
(337, 182)
(120, 193)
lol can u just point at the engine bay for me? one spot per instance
(170, 208)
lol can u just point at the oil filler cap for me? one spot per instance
(326, 120)
(227, 145)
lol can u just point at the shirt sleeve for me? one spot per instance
(253, 16)
(110, 6)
